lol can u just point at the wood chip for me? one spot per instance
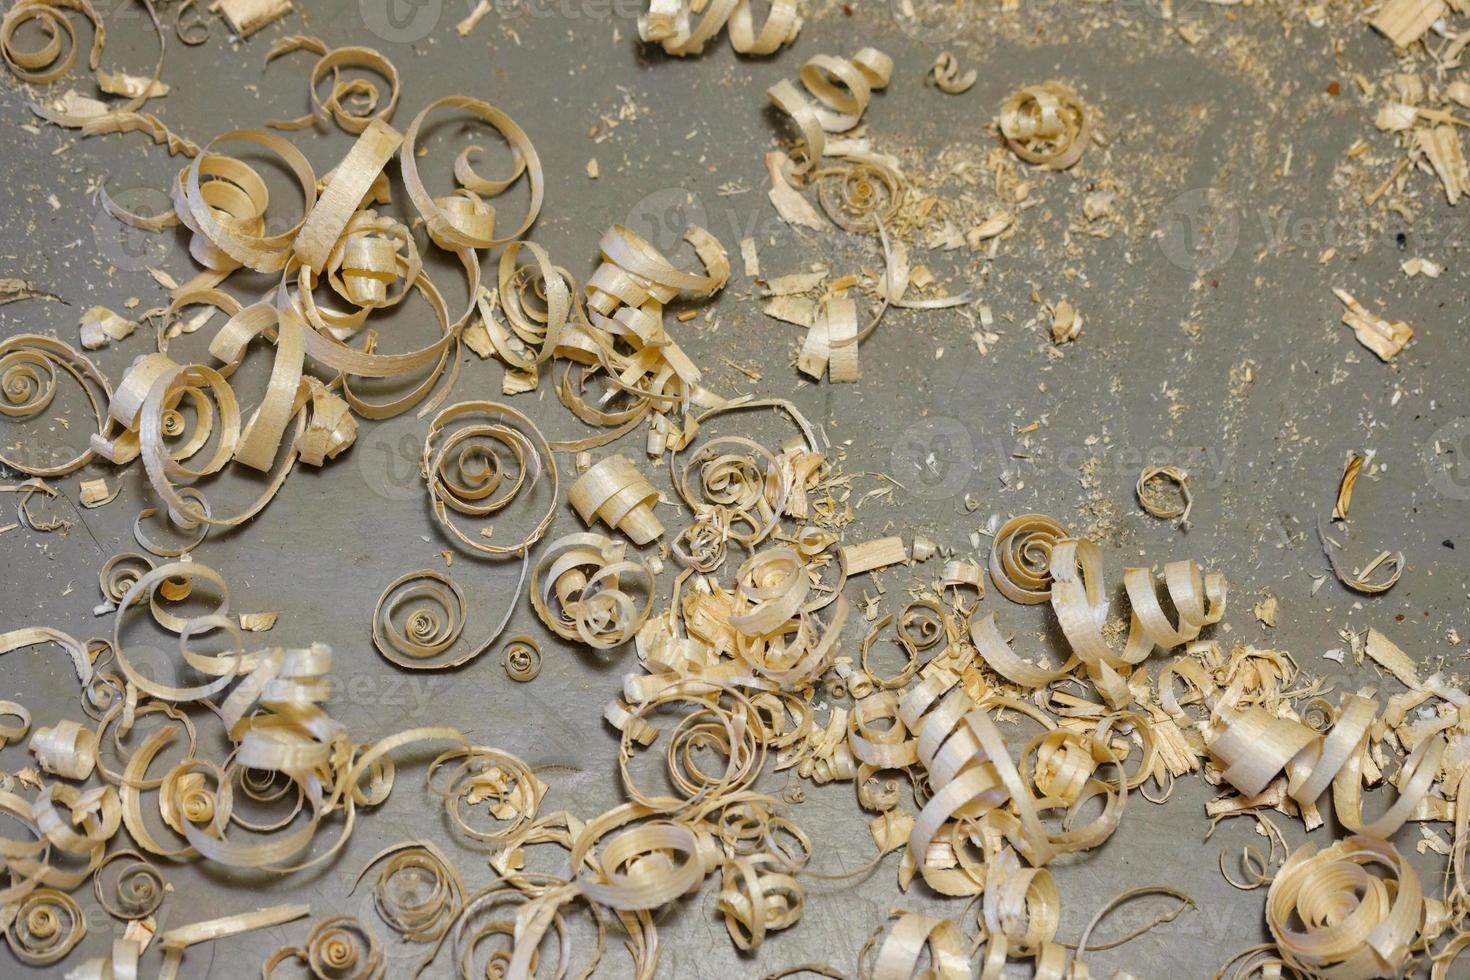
(868, 555)
(14, 290)
(1441, 146)
(101, 326)
(1387, 654)
(475, 16)
(95, 493)
(1066, 323)
(245, 17)
(1404, 21)
(1381, 336)
(798, 282)
(1267, 609)
(750, 258)
(257, 622)
(1421, 267)
(791, 309)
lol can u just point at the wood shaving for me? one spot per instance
(101, 326)
(1382, 337)
(946, 76)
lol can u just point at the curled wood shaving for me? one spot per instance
(907, 940)
(65, 749)
(417, 909)
(1378, 914)
(1020, 557)
(464, 219)
(1152, 499)
(758, 897)
(189, 24)
(55, 56)
(946, 76)
(1046, 124)
(615, 492)
(478, 458)
(420, 618)
(521, 658)
(1346, 484)
(28, 385)
(584, 589)
(46, 925)
(671, 24)
(353, 105)
(841, 88)
(8, 732)
(138, 889)
(1380, 574)
(1083, 945)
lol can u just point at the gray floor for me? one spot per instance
(1198, 138)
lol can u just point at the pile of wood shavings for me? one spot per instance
(736, 663)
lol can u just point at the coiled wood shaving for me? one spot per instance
(671, 24)
(415, 914)
(466, 473)
(521, 658)
(28, 386)
(1332, 915)
(579, 590)
(841, 88)
(350, 104)
(137, 891)
(1046, 124)
(1020, 557)
(47, 925)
